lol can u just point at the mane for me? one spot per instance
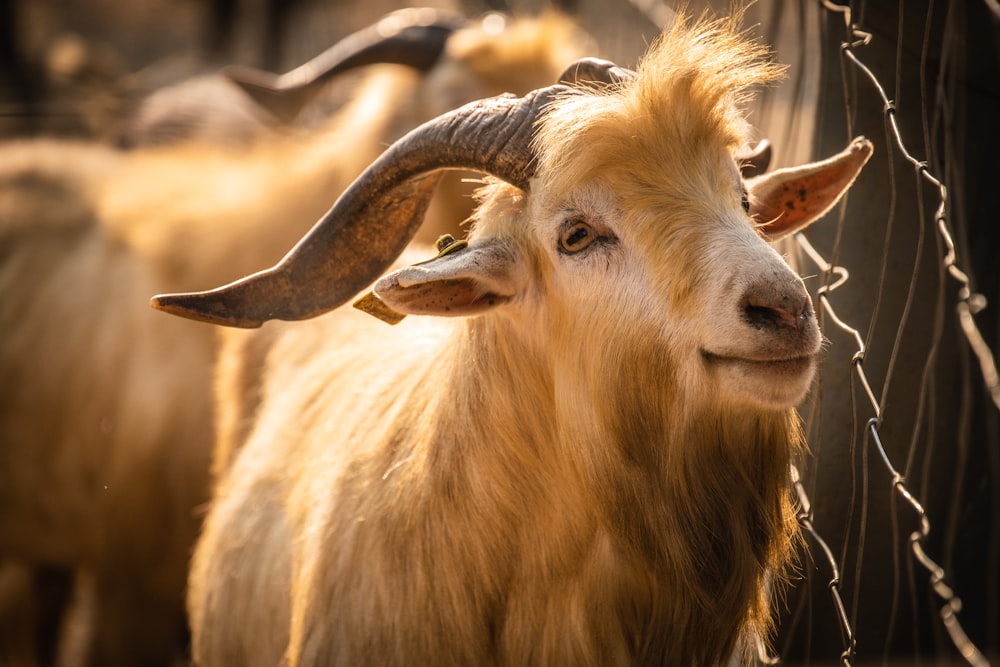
(687, 99)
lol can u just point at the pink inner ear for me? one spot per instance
(790, 210)
(787, 200)
(447, 297)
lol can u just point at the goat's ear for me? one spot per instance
(460, 281)
(788, 200)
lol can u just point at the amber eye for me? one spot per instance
(746, 202)
(576, 237)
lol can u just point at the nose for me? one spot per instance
(776, 306)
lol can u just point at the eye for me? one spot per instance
(576, 237)
(745, 200)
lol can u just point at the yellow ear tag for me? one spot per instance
(374, 306)
(370, 303)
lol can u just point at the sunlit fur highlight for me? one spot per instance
(685, 102)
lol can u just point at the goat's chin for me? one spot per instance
(774, 384)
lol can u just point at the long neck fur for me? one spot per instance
(684, 497)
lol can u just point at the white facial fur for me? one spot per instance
(751, 337)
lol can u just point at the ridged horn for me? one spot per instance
(595, 70)
(376, 217)
(755, 161)
(414, 37)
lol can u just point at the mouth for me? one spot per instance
(781, 365)
(769, 381)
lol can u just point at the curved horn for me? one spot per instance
(755, 161)
(375, 218)
(595, 70)
(413, 37)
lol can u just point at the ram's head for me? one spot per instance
(619, 210)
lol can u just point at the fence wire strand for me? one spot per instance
(969, 303)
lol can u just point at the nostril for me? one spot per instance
(772, 310)
(763, 316)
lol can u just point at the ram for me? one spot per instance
(106, 419)
(585, 460)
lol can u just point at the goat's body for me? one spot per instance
(523, 539)
(82, 469)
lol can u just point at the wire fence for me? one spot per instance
(969, 303)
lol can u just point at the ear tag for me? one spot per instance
(445, 244)
(374, 306)
(370, 303)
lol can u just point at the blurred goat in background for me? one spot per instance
(105, 442)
